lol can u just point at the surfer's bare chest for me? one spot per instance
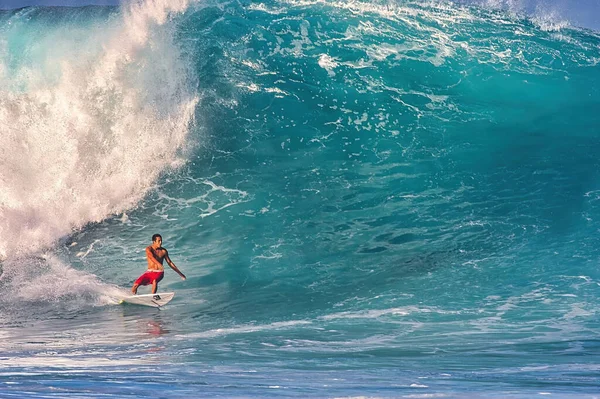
(159, 254)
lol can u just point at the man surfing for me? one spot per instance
(155, 254)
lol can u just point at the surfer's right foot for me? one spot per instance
(157, 297)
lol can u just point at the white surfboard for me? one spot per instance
(156, 300)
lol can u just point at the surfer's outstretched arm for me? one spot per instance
(172, 265)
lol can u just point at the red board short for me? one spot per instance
(150, 277)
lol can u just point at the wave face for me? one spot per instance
(368, 198)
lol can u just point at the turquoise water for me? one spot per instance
(368, 199)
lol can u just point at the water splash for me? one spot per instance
(88, 123)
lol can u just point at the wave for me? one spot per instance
(351, 145)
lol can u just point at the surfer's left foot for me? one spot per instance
(157, 297)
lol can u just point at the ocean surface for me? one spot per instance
(369, 199)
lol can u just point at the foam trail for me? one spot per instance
(86, 133)
(47, 278)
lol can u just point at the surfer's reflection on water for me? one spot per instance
(152, 329)
(148, 330)
(144, 322)
(155, 328)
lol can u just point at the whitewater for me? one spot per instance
(368, 199)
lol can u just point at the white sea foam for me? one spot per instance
(247, 329)
(87, 128)
(377, 313)
(47, 278)
(328, 63)
(213, 199)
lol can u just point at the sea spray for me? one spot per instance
(90, 123)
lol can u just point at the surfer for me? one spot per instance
(155, 254)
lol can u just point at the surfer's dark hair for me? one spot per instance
(155, 236)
